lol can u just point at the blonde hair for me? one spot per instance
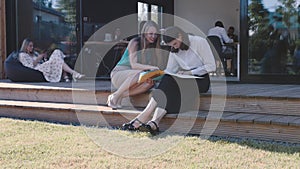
(25, 45)
(157, 59)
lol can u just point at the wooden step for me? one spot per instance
(203, 123)
(285, 101)
(268, 112)
(54, 92)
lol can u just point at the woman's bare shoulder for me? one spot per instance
(133, 43)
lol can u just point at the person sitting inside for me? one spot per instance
(190, 55)
(231, 52)
(231, 34)
(52, 69)
(220, 31)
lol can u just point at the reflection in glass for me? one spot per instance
(149, 12)
(142, 11)
(273, 37)
(142, 14)
(154, 13)
(54, 25)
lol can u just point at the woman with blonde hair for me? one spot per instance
(142, 53)
(52, 69)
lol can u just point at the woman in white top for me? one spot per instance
(190, 55)
(52, 69)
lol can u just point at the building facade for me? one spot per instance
(268, 30)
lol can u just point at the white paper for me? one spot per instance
(184, 76)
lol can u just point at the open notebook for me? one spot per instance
(156, 74)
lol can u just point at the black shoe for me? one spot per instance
(130, 127)
(148, 128)
(227, 73)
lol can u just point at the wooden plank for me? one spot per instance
(263, 105)
(250, 118)
(296, 123)
(284, 120)
(266, 119)
(234, 117)
(259, 131)
(244, 130)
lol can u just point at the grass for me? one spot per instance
(32, 144)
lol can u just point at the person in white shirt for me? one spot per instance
(190, 55)
(220, 31)
(227, 51)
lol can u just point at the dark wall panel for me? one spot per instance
(105, 11)
(25, 24)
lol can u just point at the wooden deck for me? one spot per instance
(260, 111)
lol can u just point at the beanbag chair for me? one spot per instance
(16, 72)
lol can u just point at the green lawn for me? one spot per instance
(31, 144)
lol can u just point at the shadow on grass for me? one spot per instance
(272, 146)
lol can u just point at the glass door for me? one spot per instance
(50, 24)
(274, 40)
(54, 25)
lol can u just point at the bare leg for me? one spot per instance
(67, 68)
(138, 89)
(135, 89)
(229, 64)
(114, 100)
(65, 74)
(130, 81)
(129, 87)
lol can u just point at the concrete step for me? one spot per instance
(204, 123)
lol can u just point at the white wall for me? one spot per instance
(204, 13)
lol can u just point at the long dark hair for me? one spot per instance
(172, 33)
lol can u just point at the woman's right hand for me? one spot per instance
(150, 82)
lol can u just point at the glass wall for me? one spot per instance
(274, 37)
(148, 11)
(54, 23)
(67, 24)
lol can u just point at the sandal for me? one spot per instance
(111, 103)
(129, 126)
(76, 76)
(148, 128)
